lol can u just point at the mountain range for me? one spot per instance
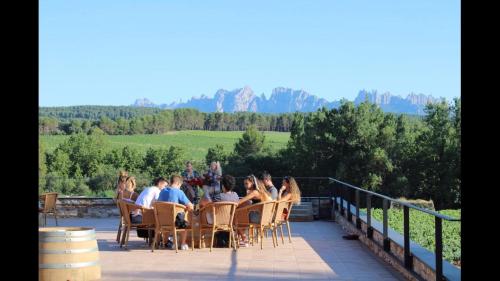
(284, 100)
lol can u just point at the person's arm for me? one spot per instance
(282, 189)
(249, 196)
(185, 201)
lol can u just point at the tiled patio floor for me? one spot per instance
(318, 252)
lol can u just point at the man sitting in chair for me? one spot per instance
(173, 194)
(146, 199)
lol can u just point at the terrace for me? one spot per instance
(317, 251)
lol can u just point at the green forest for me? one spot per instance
(128, 120)
(396, 155)
(115, 120)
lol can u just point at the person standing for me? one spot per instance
(120, 184)
(213, 176)
(192, 192)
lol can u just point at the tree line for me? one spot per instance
(122, 120)
(383, 152)
(130, 120)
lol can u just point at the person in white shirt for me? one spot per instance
(146, 199)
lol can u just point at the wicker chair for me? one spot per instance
(121, 224)
(280, 220)
(129, 197)
(222, 214)
(277, 220)
(266, 212)
(49, 205)
(165, 214)
(126, 208)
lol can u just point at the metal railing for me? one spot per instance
(408, 258)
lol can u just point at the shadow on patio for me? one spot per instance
(318, 252)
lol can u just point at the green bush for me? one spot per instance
(64, 185)
(104, 179)
(104, 193)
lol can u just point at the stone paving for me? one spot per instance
(318, 252)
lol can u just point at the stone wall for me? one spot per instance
(94, 207)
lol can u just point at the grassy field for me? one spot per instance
(196, 143)
(422, 230)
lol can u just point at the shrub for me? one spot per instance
(104, 179)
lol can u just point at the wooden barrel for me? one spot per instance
(68, 253)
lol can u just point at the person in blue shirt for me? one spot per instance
(174, 194)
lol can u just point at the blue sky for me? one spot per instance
(113, 52)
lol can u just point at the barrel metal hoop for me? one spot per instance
(68, 251)
(68, 265)
(66, 239)
(64, 233)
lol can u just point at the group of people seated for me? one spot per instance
(184, 189)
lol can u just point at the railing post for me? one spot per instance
(406, 221)
(334, 203)
(349, 199)
(358, 220)
(387, 242)
(319, 203)
(439, 249)
(342, 209)
(369, 229)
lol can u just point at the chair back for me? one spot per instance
(165, 213)
(289, 208)
(119, 209)
(280, 207)
(127, 195)
(221, 212)
(122, 204)
(49, 201)
(267, 213)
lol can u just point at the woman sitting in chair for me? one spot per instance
(289, 191)
(256, 193)
(129, 194)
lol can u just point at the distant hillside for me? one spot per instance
(412, 104)
(284, 100)
(95, 112)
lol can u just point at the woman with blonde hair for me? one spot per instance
(130, 186)
(256, 193)
(289, 191)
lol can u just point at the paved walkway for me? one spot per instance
(318, 252)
